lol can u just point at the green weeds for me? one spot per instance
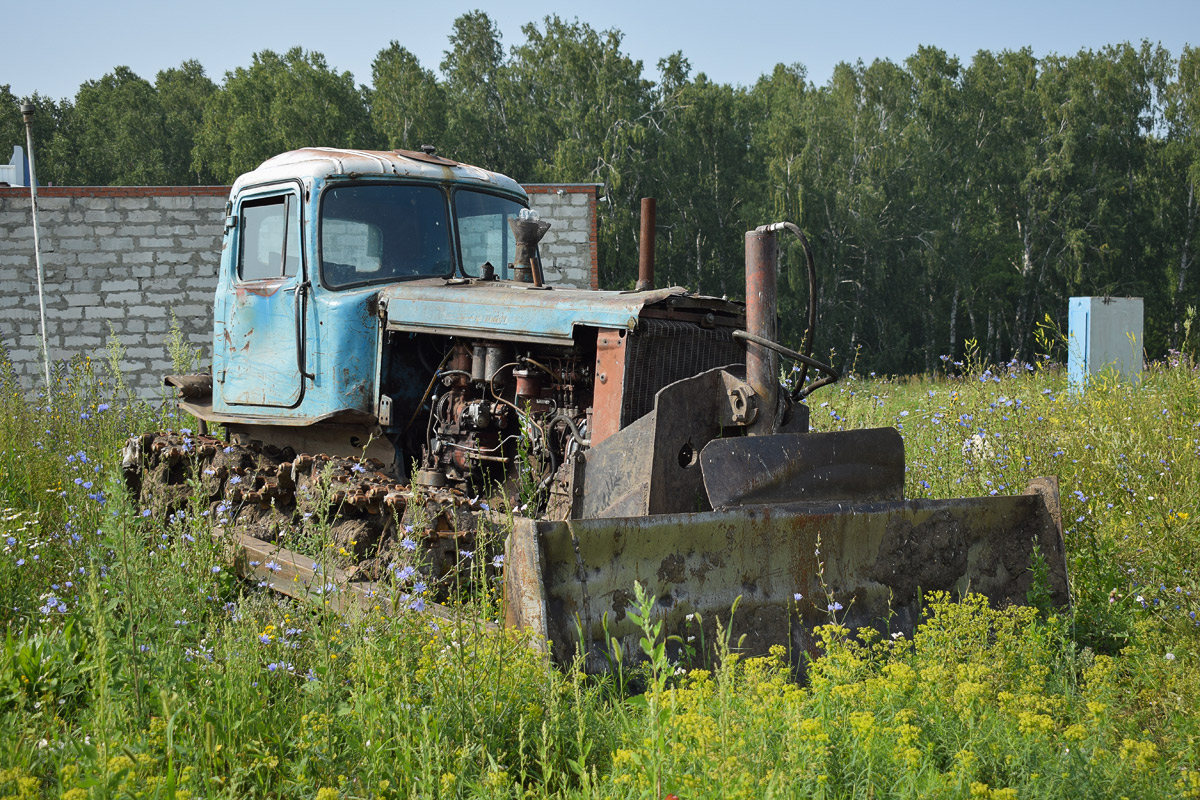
(134, 664)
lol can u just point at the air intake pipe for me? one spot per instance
(761, 334)
(528, 230)
(762, 363)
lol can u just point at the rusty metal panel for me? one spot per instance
(662, 351)
(688, 415)
(191, 386)
(261, 328)
(610, 383)
(652, 466)
(511, 311)
(616, 479)
(645, 280)
(261, 343)
(340, 349)
(878, 558)
(524, 590)
(858, 466)
(295, 575)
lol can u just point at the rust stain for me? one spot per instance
(428, 158)
(671, 570)
(610, 380)
(260, 288)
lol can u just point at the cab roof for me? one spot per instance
(319, 163)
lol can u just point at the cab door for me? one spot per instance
(263, 339)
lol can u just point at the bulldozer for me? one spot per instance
(385, 341)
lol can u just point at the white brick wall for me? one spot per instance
(569, 247)
(122, 260)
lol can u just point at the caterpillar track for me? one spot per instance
(367, 520)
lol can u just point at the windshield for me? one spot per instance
(483, 231)
(378, 233)
(382, 233)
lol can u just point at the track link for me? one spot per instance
(367, 519)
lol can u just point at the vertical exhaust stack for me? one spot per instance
(762, 364)
(645, 280)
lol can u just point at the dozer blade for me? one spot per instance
(856, 466)
(572, 582)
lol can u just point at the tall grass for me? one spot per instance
(133, 663)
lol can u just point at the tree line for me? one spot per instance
(947, 201)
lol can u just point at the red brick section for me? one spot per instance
(594, 241)
(117, 191)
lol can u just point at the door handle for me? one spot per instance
(301, 290)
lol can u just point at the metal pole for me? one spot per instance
(27, 110)
(646, 245)
(762, 364)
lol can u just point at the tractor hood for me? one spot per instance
(520, 313)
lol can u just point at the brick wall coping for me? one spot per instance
(553, 187)
(218, 191)
(117, 191)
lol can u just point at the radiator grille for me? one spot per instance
(661, 352)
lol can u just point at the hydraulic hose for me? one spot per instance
(831, 374)
(574, 431)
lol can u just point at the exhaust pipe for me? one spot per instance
(762, 363)
(645, 280)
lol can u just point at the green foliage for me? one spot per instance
(116, 133)
(279, 103)
(408, 106)
(979, 703)
(49, 118)
(1180, 167)
(183, 91)
(12, 125)
(578, 90)
(40, 669)
(184, 357)
(478, 91)
(702, 170)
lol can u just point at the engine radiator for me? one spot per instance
(662, 351)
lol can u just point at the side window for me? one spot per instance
(270, 240)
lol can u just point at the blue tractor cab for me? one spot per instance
(358, 287)
(310, 238)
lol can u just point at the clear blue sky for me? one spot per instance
(54, 45)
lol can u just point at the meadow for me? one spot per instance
(135, 664)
